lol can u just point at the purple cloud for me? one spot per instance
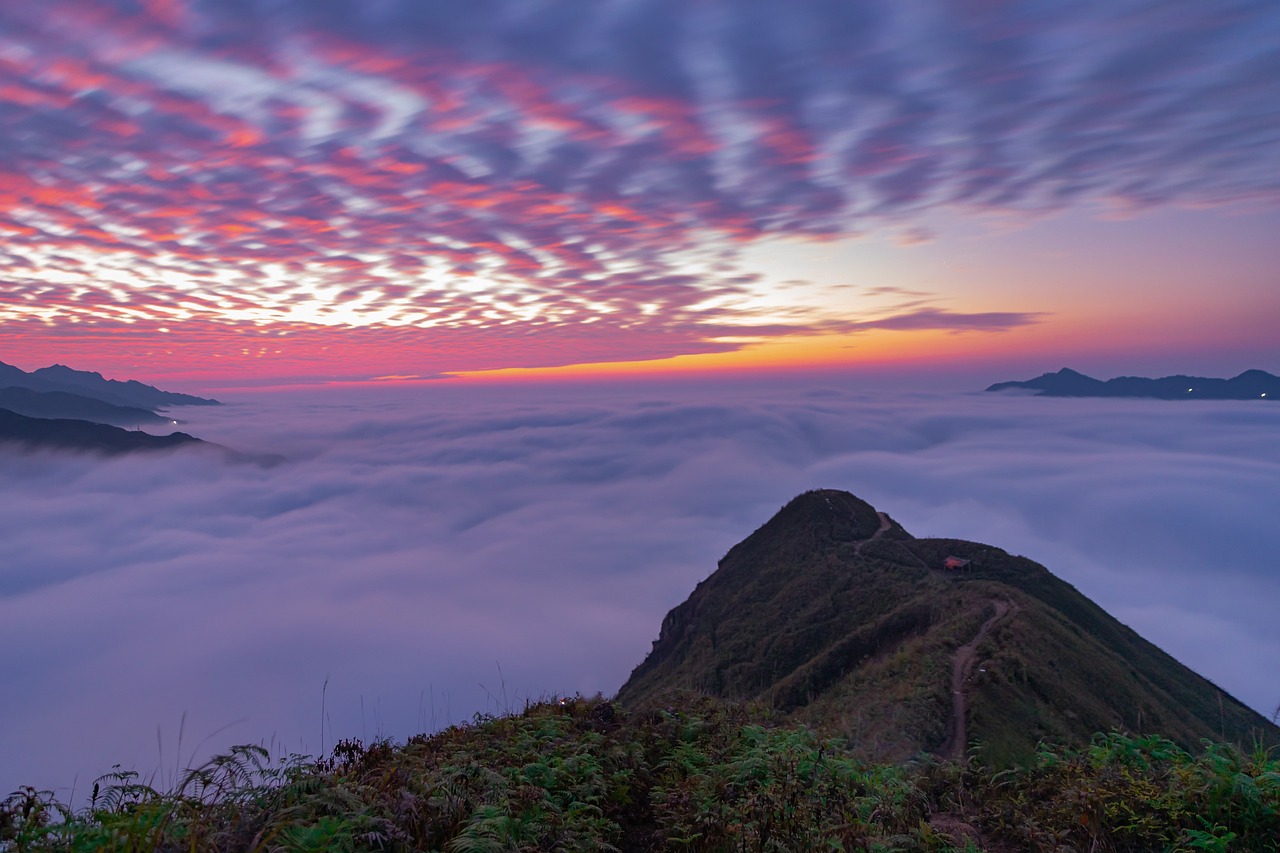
(418, 536)
(956, 321)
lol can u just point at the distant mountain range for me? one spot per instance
(78, 435)
(64, 409)
(1250, 385)
(834, 616)
(64, 404)
(87, 383)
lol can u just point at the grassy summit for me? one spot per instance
(835, 616)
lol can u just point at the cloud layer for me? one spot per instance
(429, 553)
(464, 177)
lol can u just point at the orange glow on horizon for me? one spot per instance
(874, 348)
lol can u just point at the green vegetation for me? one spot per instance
(700, 774)
(836, 617)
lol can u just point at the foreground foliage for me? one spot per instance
(581, 775)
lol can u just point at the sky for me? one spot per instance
(432, 552)
(273, 192)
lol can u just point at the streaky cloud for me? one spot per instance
(956, 321)
(507, 166)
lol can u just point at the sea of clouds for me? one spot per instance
(430, 552)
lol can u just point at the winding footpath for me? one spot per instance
(962, 664)
(961, 669)
(884, 526)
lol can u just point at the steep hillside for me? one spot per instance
(833, 614)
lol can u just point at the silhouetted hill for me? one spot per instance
(63, 404)
(10, 375)
(64, 434)
(91, 384)
(1250, 385)
(834, 615)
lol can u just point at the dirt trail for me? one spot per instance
(961, 670)
(885, 524)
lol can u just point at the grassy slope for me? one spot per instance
(857, 638)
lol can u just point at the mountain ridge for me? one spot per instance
(835, 616)
(128, 393)
(79, 435)
(66, 405)
(1249, 385)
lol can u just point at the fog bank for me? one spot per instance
(432, 552)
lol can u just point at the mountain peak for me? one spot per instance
(62, 370)
(837, 618)
(815, 519)
(852, 518)
(130, 393)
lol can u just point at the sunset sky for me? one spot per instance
(223, 192)
(803, 230)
